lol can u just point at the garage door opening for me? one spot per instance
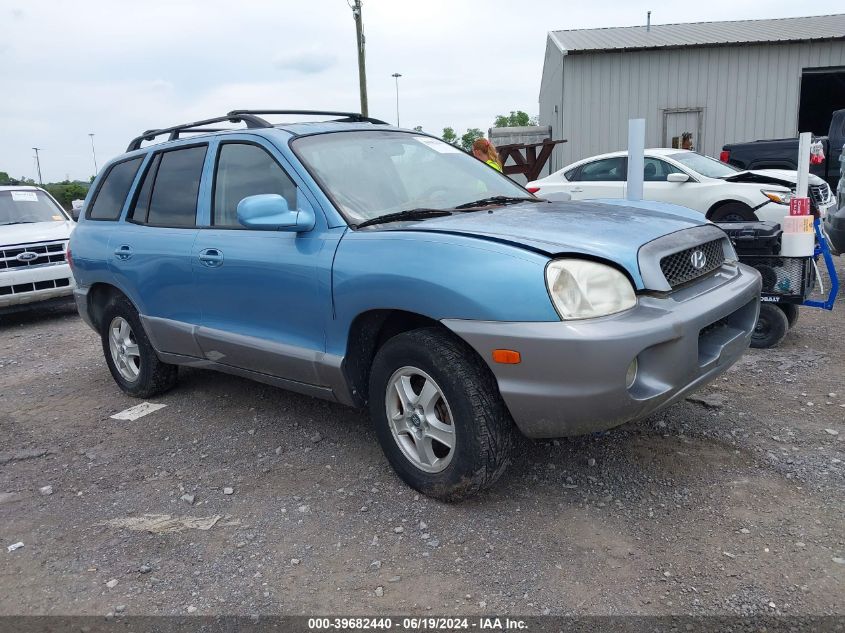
(822, 93)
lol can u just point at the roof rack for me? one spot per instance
(347, 117)
(252, 122)
(246, 116)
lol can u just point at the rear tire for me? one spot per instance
(131, 359)
(771, 327)
(427, 382)
(733, 212)
(791, 312)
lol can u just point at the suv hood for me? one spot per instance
(782, 177)
(612, 230)
(13, 234)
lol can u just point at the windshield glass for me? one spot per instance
(704, 165)
(28, 206)
(372, 173)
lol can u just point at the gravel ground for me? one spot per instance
(731, 504)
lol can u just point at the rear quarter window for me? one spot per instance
(112, 192)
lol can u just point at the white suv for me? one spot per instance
(34, 233)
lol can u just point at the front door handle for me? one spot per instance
(576, 190)
(211, 257)
(123, 252)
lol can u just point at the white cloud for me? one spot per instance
(308, 62)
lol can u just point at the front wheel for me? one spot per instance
(733, 212)
(438, 415)
(131, 359)
(771, 327)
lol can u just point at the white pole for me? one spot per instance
(636, 159)
(804, 140)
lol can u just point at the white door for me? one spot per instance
(656, 187)
(602, 178)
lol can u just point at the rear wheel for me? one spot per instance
(733, 212)
(131, 359)
(438, 415)
(771, 327)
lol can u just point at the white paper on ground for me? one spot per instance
(14, 546)
(138, 411)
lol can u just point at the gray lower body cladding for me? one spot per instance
(572, 376)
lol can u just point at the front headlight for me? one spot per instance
(582, 289)
(780, 197)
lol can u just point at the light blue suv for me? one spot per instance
(374, 266)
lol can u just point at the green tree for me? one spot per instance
(470, 137)
(517, 118)
(65, 192)
(5, 179)
(449, 135)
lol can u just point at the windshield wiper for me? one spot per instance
(496, 200)
(409, 214)
(21, 222)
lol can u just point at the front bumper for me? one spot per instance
(31, 285)
(572, 376)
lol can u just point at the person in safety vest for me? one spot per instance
(486, 152)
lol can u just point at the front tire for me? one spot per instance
(733, 212)
(131, 359)
(771, 327)
(438, 415)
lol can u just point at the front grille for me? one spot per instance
(46, 253)
(47, 284)
(678, 267)
(820, 194)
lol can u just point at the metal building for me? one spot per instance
(700, 85)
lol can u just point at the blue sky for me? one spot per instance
(116, 68)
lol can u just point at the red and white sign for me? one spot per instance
(799, 206)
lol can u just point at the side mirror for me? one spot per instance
(676, 177)
(75, 213)
(270, 212)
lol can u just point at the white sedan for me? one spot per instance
(721, 192)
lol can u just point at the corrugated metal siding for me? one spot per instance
(818, 27)
(746, 92)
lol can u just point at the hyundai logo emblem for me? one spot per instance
(26, 256)
(698, 260)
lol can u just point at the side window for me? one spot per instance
(571, 175)
(108, 203)
(656, 170)
(604, 170)
(139, 211)
(173, 188)
(246, 170)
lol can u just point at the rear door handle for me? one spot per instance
(576, 190)
(123, 252)
(211, 257)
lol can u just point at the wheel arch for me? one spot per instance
(368, 332)
(99, 296)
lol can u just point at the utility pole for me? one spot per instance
(93, 153)
(396, 77)
(362, 70)
(38, 163)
